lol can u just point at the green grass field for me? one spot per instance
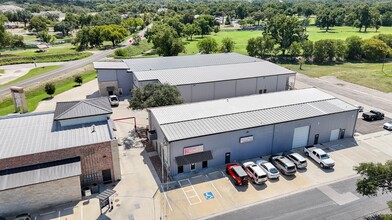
(344, 32)
(365, 74)
(34, 96)
(32, 73)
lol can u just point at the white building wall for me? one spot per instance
(224, 89)
(246, 87)
(186, 92)
(202, 92)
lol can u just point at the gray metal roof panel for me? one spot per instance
(192, 111)
(175, 62)
(34, 133)
(39, 175)
(237, 121)
(83, 108)
(203, 74)
(110, 65)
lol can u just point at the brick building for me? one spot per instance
(56, 153)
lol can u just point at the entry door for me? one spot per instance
(316, 138)
(107, 176)
(301, 136)
(227, 157)
(334, 135)
(341, 134)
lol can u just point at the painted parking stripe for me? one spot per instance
(212, 184)
(59, 215)
(167, 200)
(189, 184)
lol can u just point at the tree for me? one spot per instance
(155, 95)
(241, 11)
(324, 50)
(82, 38)
(354, 47)
(78, 79)
(285, 30)
(64, 27)
(375, 177)
(207, 45)
(228, 20)
(165, 40)
(341, 49)
(24, 16)
(205, 22)
(132, 24)
(258, 16)
(386, 19)
(307, 47)
(114, 33)
(45, 37)
(374, 49)
(190, 30)
(72, 20)
(325, 18)
(295, 49)
(50, 89)
(37, 24)
(260, 46)
(227, 45)
(85, 20)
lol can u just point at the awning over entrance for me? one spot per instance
(193, 158)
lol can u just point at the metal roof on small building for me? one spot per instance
(42, 175)
(83, 108)
(175, 62)
(224, 115)
(38, 132)
(183, 76)
(110, 65)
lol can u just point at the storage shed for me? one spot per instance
(198, 135)
(197, 77)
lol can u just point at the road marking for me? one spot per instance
(223, 173)
(81, 212)
(59, 215)
(214, 185)
(72, 207)
(189, 184)
(167, 200)
(35, 217)
(47, 213)
(340, 199)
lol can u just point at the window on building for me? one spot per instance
(265, 91)
(180, 169)
(204, 164)
(193, 166)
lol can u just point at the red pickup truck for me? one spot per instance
(237, 173)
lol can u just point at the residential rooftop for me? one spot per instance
(203, 74)
(218, 116)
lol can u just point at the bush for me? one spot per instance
(78, 79)
(374, 49)
(121, 52)
(207, 45)
(354, 47)
(307, 47)
(227, 45)
(50, 88)
(324, 50)
(295, 49)
(387, 38)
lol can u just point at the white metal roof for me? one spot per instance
(110, 65)
(215, 73)
(204, 118)
(37, 132)
(39, 175)
(175, 62)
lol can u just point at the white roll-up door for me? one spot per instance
(301, 136)
(334, 135)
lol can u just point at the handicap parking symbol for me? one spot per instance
(209, 195)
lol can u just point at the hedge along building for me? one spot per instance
(197, 77)
(45, 158)
(194, 136)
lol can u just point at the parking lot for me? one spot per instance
(367, 127)
(199, 194)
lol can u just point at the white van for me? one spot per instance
(256, 174)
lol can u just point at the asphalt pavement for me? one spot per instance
(335, 201)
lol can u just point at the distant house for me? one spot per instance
(14, 8)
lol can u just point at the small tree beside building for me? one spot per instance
(50, 89)
(78, 79)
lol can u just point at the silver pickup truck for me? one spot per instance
(319, 156)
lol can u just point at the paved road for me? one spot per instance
(67, 68)
(361, 94)
(335, 201)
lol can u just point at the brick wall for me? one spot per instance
(94, 159)
(39, 196)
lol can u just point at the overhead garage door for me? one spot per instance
(301, 135)
(334, 135)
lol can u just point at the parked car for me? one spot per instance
(319, 156)
(269, 169)
(237, 173)
(373, 115)
(388, 125)
(113, 99)
(284, 165)
(24, 216)
(256, 174)
(299, 161)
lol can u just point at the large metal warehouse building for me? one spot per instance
(197, 77)
(204, 134)
(46, 158)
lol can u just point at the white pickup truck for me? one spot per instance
(319, 156)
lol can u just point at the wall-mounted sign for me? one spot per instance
(193, 149)
(246, 139)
